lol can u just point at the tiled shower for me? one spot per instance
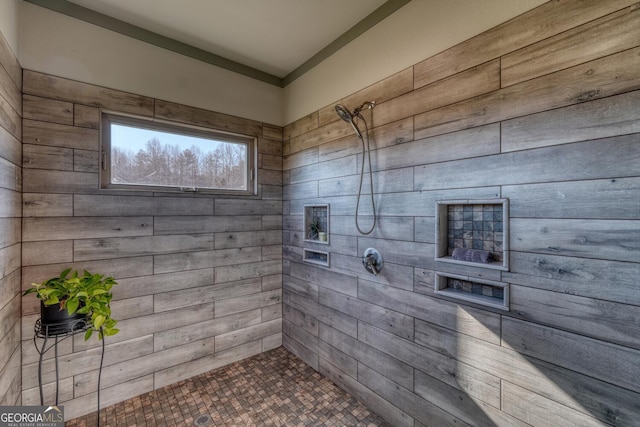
(536, 118)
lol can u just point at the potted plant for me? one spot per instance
(68, 299)
(314, 229)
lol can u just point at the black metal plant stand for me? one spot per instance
(60, 331)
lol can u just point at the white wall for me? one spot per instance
(415, 32)
(9, 23)
(57, 44)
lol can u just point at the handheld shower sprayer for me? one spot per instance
(350, 117)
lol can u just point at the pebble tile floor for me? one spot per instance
(274, 388)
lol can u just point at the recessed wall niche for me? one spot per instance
(316, 257)
(473, 232)
(316, 223)
(484, 292)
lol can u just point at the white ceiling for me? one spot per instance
(273, 36)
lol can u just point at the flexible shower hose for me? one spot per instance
(368, 152)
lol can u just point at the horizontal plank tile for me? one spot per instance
(384, 90)
(576, 276)
(86, 117)
(144, 365)
(475, 322)
(387, 320)
(248, 334)
(235, 305)
(41, 205)
(105, 248)
(109, 396)
(205, 224)
(386, 181)
(243, 239)
(197, 116)
(597, 79)
(475, 142)
(395, 133)
(57, 135)
(10, 202)
(537, 24)
(10, 119)
(600, 239)
(406, 400)
(257, 269)
(204, 259)
(206, 363)
(40, 84)
(159, 283)
(47, 252)
(300, 158)
(586, 316)
(371, 399)
(10, 147)
(610, 403)
(86, 161)
(337, 320)
(205, 294)
(601, 118)
(389, 366)
(64, 182)
(461, 376)
(541, 411)
(577, 161)
(60, 228)
(329, 279)
(468, 408)
(247, 207)
(325, 170)
(608, 199)
(595, 358)
(43, 157)
(467, 84)
(99, 205)
(272, 132)
(10, 231)
(610, 34)
(209, 328)
(300, 126)
(74, 365)
(47, 110)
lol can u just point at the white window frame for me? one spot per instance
(109, 117)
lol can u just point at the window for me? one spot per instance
(147, 154)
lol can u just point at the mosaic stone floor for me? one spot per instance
(271, 389)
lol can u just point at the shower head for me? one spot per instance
(348, 117)
(344, 113)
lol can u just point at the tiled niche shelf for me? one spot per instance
(316, 257)
(476, 224)
(316, 214)
(472, 289)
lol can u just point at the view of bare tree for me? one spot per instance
(168, 165)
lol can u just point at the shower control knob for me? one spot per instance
(372, 261)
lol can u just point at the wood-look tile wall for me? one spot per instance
(200, 277)
(543, 110)
(10, 232)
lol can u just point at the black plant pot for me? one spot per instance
(54, 321)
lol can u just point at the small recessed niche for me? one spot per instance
(316, 223)
(473, 232)
(479, 291)
(316, 257)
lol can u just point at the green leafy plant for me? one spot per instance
(88, 294)
(314, 228)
